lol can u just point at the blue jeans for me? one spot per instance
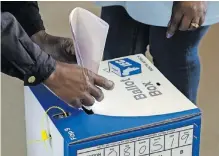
(177, 58)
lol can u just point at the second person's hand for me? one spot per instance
(186, 15)
(60, 48)
(77, 86)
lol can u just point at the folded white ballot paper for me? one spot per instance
(89, 35)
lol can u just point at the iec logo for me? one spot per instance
(124, 67)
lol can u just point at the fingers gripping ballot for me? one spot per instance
(77, 86)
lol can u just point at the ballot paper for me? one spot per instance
(89, 35)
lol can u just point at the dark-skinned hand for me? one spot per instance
(77, 86)
(186, 15)
(60, 48)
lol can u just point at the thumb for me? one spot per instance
(174, 23)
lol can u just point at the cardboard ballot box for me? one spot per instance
(145, 115)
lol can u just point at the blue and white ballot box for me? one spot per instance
(145, 115)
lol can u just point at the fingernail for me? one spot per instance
(168, 24)
(100, 98)
(111, 84)
(169, 35)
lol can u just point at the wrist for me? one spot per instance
(53, 76)
(39, 33)
(39, 36)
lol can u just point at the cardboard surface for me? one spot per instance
(164, 117)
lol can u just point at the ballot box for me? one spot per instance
(145, 115)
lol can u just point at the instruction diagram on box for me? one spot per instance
(176, 142)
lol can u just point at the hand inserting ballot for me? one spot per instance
(77, 86)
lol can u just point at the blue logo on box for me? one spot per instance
(125, 67)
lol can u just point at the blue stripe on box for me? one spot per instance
(85, 126)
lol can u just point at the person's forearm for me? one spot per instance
(22, 58)
(27, 14)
